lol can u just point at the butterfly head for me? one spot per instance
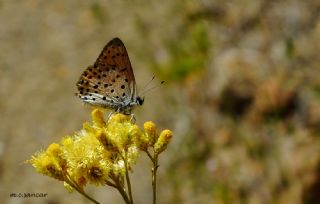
(140, 100)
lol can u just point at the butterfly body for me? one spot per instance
(110, 82)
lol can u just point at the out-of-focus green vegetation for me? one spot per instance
(247, 72)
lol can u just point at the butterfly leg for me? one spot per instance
(132, 119)
(109, 116)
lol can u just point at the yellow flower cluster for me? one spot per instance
(101, 151)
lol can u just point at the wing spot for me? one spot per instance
(108, 69)
(113, 68)
(126, 80)
(94, 73)
(99, 82)
(108, 51)
(117, 76)
(95, 86)
(90, 69)
(118, 54)
(123, 94)
(104, 98)
(123, 69)
(105, 85)
(104, 75)
(94, 99)
(85, 98)
(89, 77)
(122, 86)
(123, 55)
(112, 90)
(113, 56)
(95, 65)
(81, 92)
(117, 96)
(88, 90)
(105, 57)
(95, 91)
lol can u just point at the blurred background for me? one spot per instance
(242, 94)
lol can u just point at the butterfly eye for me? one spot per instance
(140, 100)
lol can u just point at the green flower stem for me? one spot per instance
(127, 177)
(87, 196)
(77, 188)
(118, 186)
(109, 183)
(154, 169)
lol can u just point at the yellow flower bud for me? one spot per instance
(106, 142)
(68, 187)
(119, 118)
(141, 141)
(163, 141)
(151, 130)
(97, 118)
(47, 163)
(50, 168)
(66, 141)
(54, 150)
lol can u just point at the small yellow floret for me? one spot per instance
(120, 133)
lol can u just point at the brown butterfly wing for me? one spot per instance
(111, 75)
(115, 55)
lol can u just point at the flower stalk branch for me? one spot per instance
(119, 187)
(83, 193)
(154, 169)
(128, 178)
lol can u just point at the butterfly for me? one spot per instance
(110, 82)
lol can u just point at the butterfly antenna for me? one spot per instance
(144, 92)
(147, 84)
